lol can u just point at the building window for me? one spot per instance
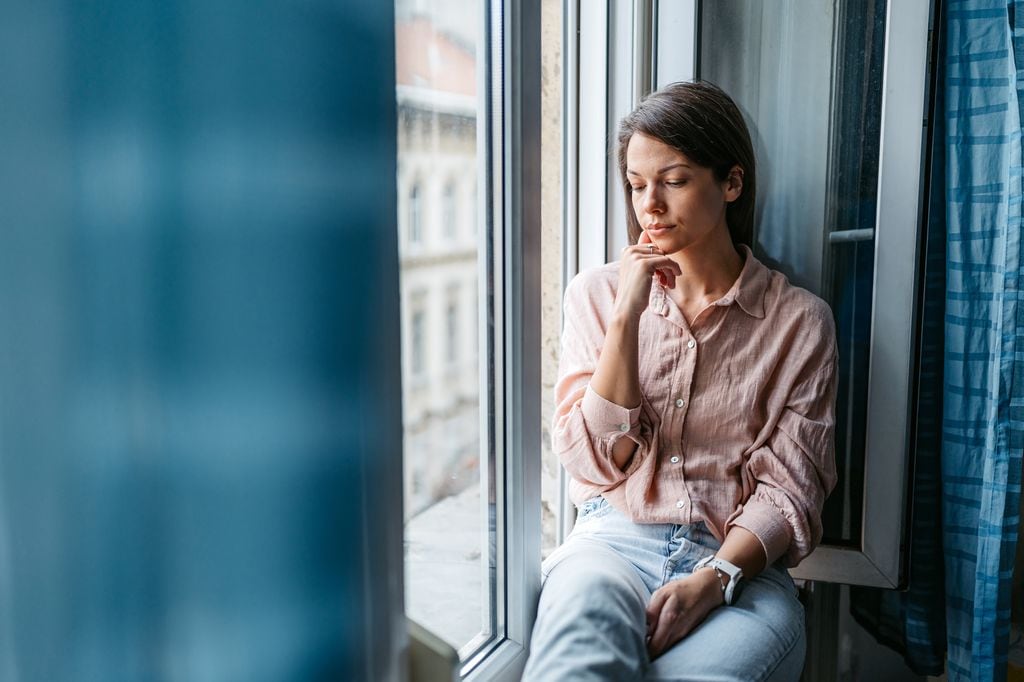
(418, 334)
(476, 216)
(449, 217)
(452, 329)
(416, 214)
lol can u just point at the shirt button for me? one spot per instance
(674, 460)
(680, 402)
(680, 504)
(623, 427)
(691, 344)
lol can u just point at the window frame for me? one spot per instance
(508, 139)
(880, 560)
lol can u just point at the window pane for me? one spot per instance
(449, 546)
(818, 179)
(849, 260)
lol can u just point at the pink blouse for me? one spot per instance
(736, 423)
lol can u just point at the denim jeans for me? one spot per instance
(591, 618)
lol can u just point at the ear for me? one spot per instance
(733, 184)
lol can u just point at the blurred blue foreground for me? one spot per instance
(198, 338)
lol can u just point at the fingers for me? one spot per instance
(664, 629)
(643, 249)
(654, 611)
(654, 256)
(663, 268)
(644, 238)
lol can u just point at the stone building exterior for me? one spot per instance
(438, 236)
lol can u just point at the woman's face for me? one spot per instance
(677, 202)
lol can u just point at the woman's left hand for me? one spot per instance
(680, 606)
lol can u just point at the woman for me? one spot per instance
(694, 414)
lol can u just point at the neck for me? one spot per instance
(710, 268)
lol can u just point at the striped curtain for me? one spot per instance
(983, 412)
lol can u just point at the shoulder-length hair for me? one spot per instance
(701, 121)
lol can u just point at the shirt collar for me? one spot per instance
(750, 286)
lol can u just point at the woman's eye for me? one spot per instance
(676, 183)
(637, 188)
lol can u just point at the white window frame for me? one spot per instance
(508, 139)
(614, 39)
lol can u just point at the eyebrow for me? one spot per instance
(661, 170)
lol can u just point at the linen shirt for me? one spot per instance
(736, 422)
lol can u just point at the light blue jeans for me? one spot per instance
(591, 624)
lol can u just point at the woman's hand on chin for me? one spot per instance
(640, 264)
(680, 606)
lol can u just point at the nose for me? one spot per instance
(651, 201)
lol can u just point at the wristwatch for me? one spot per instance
(731, 590)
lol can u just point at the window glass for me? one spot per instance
(449, 543)
(817, 181)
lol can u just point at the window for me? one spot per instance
(470, 443)
(841, 217)
(449, 215)
(415, 219)
(417, 334)
(452, 329)
(473, 202)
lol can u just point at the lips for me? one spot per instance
(658, 229)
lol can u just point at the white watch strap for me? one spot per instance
(723, 568)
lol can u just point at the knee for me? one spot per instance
(589, 586)
(588, 578)
(590, 621)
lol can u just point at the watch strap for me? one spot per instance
(727, 569)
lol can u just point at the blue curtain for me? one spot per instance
(983, 416)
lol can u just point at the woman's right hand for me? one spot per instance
(640, 264)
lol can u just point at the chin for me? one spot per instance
(671, 246)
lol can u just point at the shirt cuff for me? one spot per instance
(608, 420)
(768, 524)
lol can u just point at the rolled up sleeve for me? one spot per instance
(794, 471)
(586, 425)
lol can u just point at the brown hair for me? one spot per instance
(701, 121)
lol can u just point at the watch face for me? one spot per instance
(737, 588)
